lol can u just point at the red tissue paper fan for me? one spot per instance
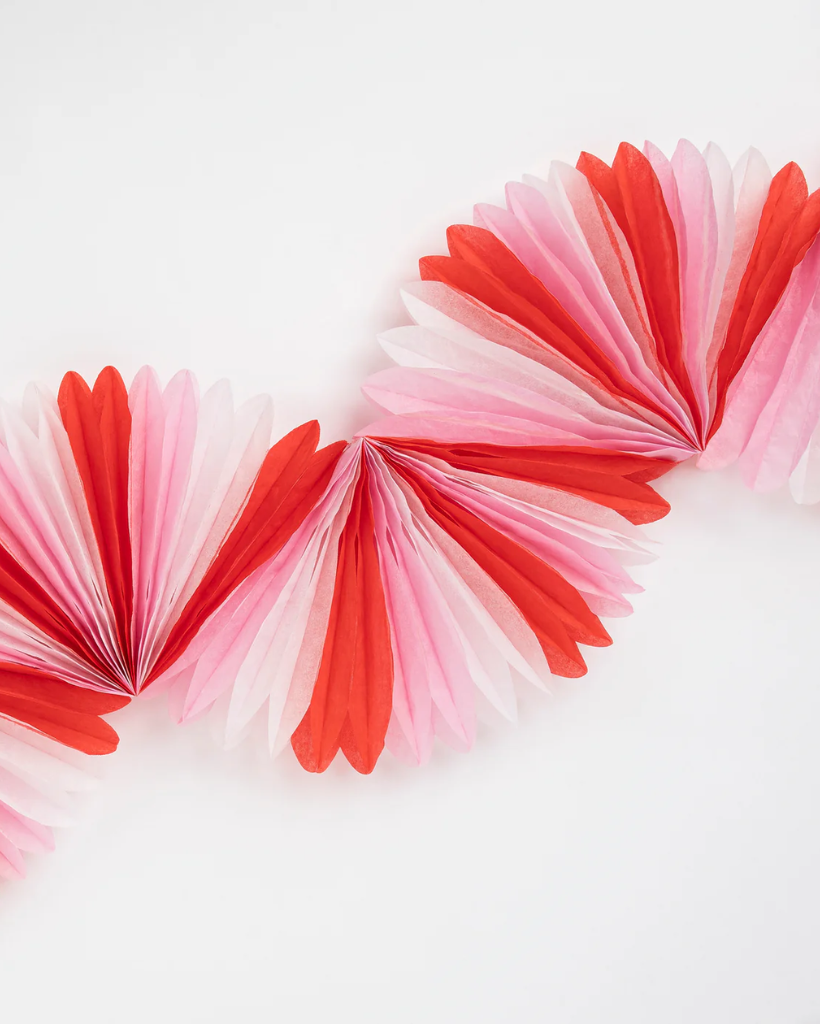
(128, 515)
(126, 518)
(609, 323)
(660, 307)
(425, 578)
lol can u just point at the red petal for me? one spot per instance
(604, 181)
(68, 714)
(605, 477)
(554, 609)
(631, 190)
(352, 699)
(25, 595)
(98, 424)
(789, 223)
(289, 483)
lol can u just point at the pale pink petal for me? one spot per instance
(774, 402)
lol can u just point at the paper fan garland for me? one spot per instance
(607, 324)
(363, 591)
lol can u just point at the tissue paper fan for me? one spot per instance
(128, 515)
(658, 307)
(47, 728)
(425, 578)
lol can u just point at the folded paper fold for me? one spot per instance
(47, 729)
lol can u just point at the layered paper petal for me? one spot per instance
(47, 729)
(773, 406)
(657, 307)
(426, 578)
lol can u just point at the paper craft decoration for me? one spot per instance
(425, 577)
(609, 323)
(659, 307)
(128, 515)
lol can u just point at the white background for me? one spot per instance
(241, 187)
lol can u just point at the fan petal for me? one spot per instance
(98, 424)
(774, 404)
(47, 728)
(352, 696)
